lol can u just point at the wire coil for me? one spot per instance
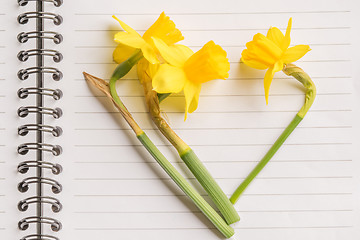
(23, 37)
(55, 225)
(24, 55)
(54, 93)
(24, 167)
(24, 74)
(56, 206)
(38, 167)
(24, 17)
(23, 186)
(57, 3)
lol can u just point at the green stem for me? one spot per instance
(121, 70)
(199, 201)
(162, 96)
(301, 76)
(266, 158)
(189, 157)
(210, 185)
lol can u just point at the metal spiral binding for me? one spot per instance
(56, 206)
(23, 130)
(55, 93)
(37, 167)
(23, 37)
(24, 167)
(24, 74)
(24, 55)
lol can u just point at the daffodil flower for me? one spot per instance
(185, 70)
(272, 52)
(130, 40)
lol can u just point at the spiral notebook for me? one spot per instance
(70, 168)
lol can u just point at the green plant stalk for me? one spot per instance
(211, 186)
(199, 201)
(186, 187)
(189, 157)
(301, 76)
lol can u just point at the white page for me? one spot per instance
(113, 189)
(2, 125)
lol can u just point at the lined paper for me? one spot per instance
(113, 189)
(306, 192)
(2, 125)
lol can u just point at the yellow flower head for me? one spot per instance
(130, 40)
(186, 70)
(272, 52)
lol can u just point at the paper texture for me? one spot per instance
(113, 189)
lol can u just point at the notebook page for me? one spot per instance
(356, 101)
(2, 121)
(116, 190)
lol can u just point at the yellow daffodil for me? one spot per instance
(272, 52)
(186, 70)
(130, 40)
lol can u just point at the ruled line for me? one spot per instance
(227, 161)
(217, 178)
(224, 95)
(198, 211)
(217, 145)
(217, 128)
(204, 228)
(204, 195)
(203, 112)
(239, 78)
(213, 13)
(231, 62)
(226, 46)
(221, 30)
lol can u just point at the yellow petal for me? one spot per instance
(269, 75)
(254, 63)
(295, 53)
(192, 93)
(275, 35)
(152, 70)
(129, 39)
(286, 42)
(122, 52)
(126, 27)
(263, 50)
(149, 53)
(164, 29)
(169, 79)
(175, 55)
(207, 64)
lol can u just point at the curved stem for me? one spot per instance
(301, 76)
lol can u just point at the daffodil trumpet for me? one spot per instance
(185, 152)
(272, 52)
(183, 184)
